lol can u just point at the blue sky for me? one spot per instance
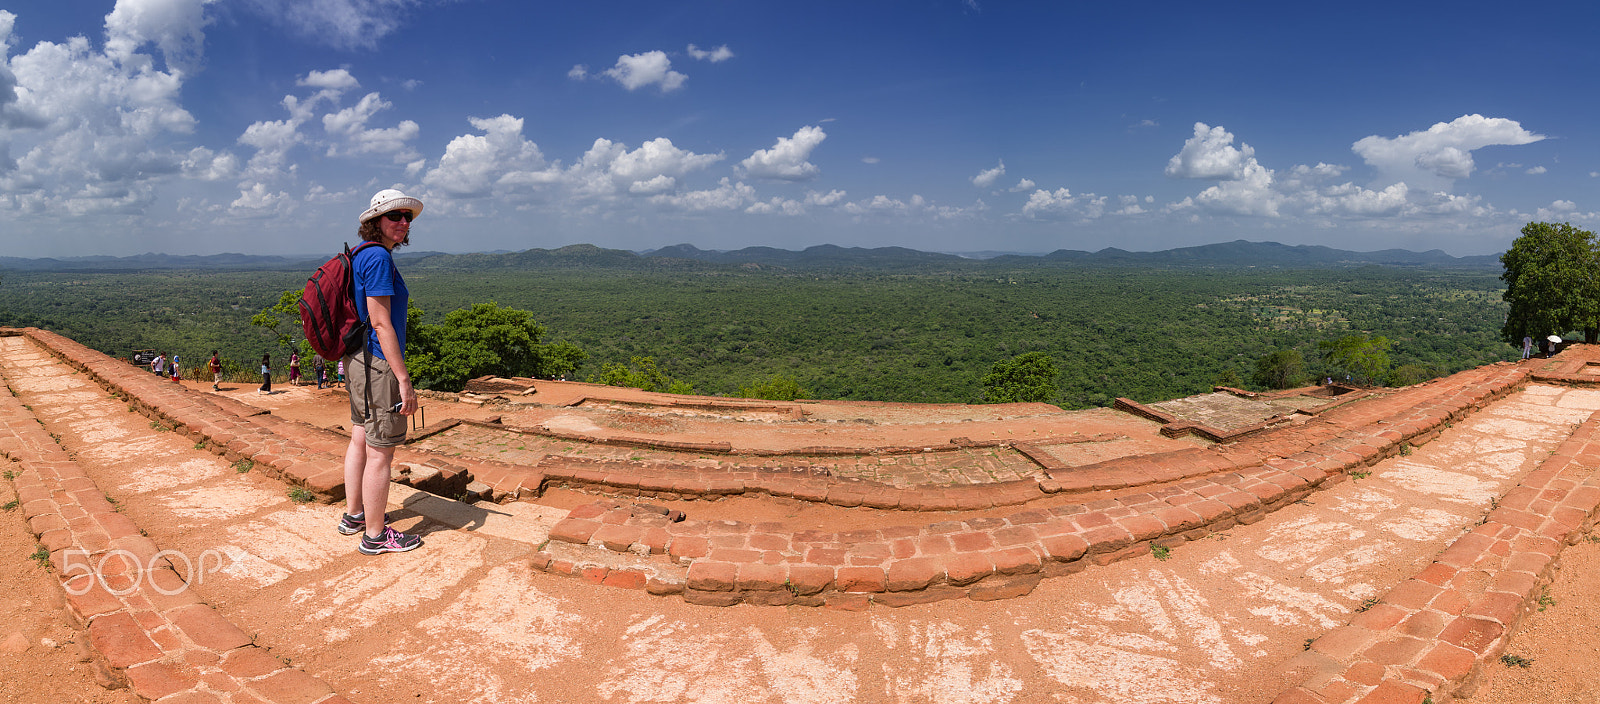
(263, 126)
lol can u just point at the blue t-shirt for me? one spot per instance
(375, 275)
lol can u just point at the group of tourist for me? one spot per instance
(319, 371)
(1547, 347)
(174, 369)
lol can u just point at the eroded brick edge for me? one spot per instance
(147, 630)
(1431, 635)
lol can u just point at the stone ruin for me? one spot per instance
(1046, 511)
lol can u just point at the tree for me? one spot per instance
(483, 340)
(1028, 377)
(781, 387)
(1551, 283)
(1365, 357)
(1283, 369)
(643, 375)
(274, 317)
(1229, 378)
(1408, 374)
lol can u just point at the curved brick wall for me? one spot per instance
(1200, 492)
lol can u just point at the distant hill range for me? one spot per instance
(1239, 253)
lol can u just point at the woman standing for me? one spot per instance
(294, 368)
(379, 386)
(266, 374)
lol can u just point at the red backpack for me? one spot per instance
(328, 307)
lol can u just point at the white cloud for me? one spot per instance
(660, 183)
(885, 207)
(500, 159)
(1061, 204)
(336, 81)
(826, 200)
(578, 72)
(346, 132)
(726, 196)
(1447, 205)
(882, 203)
(635, 71)
(272, 139)
(1023, 185)
(609, 168)
(344, 24)
(1048, 204)
(719, 54)
(659, 156)
(1130, 206)
(176, 27)
(1350, 199)
(1435, 158)
(255, 197)
(870, 160)
(1249, 193)
(349, 128)
(11, 115)
(987, 177)
(84, 131)
(777, 206)
(1564, 211)
(1210, 154)
(787, 160)
(1535, 171)
(1303, 177)
(1246, 187)
(202, 164)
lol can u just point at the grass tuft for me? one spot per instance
(1516, 661)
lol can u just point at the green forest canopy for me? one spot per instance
(924, 335)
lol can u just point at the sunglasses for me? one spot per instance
(398, 215)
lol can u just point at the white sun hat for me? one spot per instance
(1554, 338)
(390, 199)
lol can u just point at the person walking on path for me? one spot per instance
(383, 396)
(266, 374)
(216, 372)
(177, 376)
(1527, 346)
(159, 366)
(319, 368)
(294, 368)
(341, 373)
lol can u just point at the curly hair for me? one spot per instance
(371, 231)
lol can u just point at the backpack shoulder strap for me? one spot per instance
(353, 252)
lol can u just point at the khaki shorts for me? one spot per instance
(385, 428)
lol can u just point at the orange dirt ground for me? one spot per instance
(44, 659)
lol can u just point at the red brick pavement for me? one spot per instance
(142, 621)
(1430, 634)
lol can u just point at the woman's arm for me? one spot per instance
(389, 341)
